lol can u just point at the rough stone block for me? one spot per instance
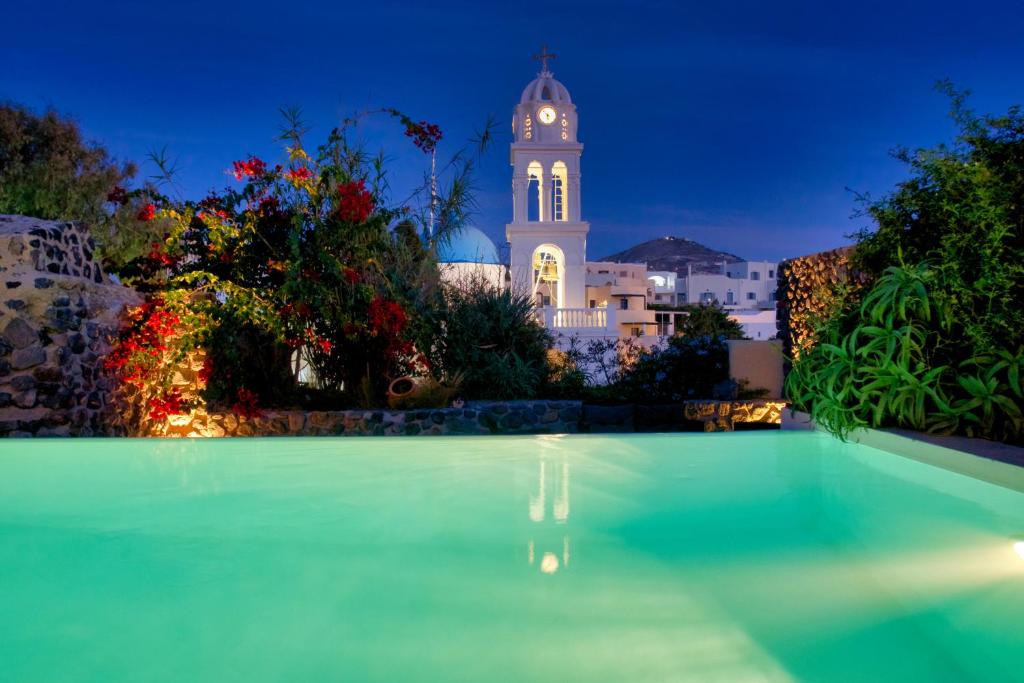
(23, 382)
(54, 431)
(28, 357)
(25, 399)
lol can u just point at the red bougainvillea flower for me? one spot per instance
(355, 203)
(352, 275)
(317, 341)
(166, 404)
(146, 213)
(219, 213)
(297, 175)
(206, 372)
(424, 135)
(268, 205)
(159, 256)
(118, 195)
(248, 404)
(140, 349)
(386, 317)
(251, 168)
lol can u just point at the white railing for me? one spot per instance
(578, 318)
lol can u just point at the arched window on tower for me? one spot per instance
(559, 208)
(548, 280)
(535, 192)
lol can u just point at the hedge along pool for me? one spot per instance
(764, 556)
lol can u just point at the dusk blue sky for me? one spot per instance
(736, 124)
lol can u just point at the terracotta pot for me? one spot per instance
(403, 388)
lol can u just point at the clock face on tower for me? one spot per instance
(547, 115)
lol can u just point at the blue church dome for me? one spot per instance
(469, 245)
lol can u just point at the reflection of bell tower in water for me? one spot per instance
(550, 508)
(547, 238)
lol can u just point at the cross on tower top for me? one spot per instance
(543, 58)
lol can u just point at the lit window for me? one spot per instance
(535, 192)
(559, 176)
(556, 196)
(533, 199)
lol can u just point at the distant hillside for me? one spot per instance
(674, 253)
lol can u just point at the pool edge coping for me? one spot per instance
(985, 464)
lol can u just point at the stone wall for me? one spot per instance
(809, 290)
(480, 418)
(58, 312)
(724, 416)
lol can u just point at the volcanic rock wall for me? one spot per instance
(478, 417)
(810, 288)
(58, 312)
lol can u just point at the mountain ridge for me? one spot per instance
(677, 254)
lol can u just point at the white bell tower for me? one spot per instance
(547, 237)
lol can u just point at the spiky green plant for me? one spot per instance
(891, 363)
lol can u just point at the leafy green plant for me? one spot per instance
(887, 364)
(306, 257)
(47, 170)
(708, 320)
(935, 343)
(492, 339)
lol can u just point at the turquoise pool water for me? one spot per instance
(761, 556)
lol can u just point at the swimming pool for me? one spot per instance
(761, 556)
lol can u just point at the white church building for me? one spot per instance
(547, 237)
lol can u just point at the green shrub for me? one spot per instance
(47, 170)
(683, 368)
(708, 320)
(891, 363)
(493, 340)
(621, 370)
(962, 211)
(936, 343)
